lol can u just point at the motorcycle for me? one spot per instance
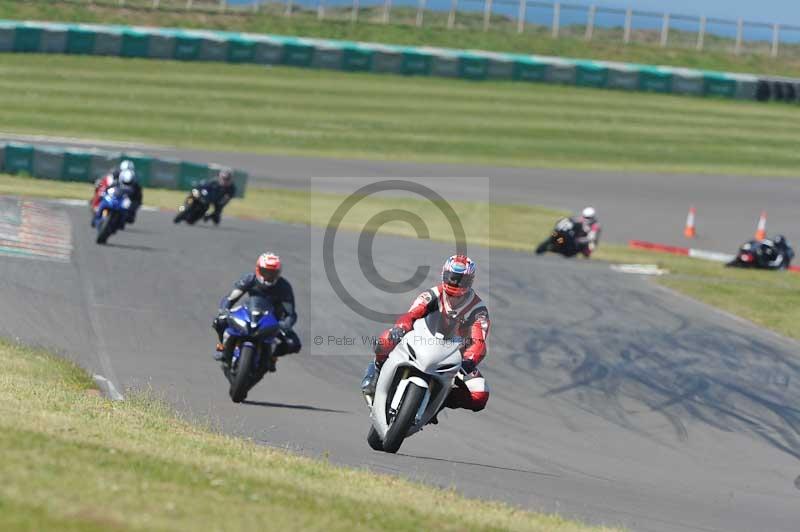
(194, 207)
(760, 255)
(112, 212)
(252, 333)
(413, 384)
(561, 240)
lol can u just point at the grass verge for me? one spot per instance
(770, 299)
(75, 461)
(606, 44)
(325, 113)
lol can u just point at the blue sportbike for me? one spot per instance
(250, 338)
(112, 212)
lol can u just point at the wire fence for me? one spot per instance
(592, 23)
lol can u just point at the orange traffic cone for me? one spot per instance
(761, 230)
(689, 231)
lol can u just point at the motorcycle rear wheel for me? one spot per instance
(404, 418)
(240, 384)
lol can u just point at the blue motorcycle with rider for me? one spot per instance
(112, 212)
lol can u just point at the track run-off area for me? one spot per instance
(613, 400)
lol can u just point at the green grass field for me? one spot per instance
(607, 43)
(770, 299)
(74, 461)
(313, 112)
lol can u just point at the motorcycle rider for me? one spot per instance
(109, 180)
(587, 231)
(456, 300)
(127, 178)
(770, 254)
(220, 191)
(265, 282)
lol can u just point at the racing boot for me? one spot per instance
(370, 379)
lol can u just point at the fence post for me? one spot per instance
(626, 38)
(354, 12)
(776, 35)
(256, 6)
(189, 4)
(590, 22)
(288, 12)
(701, 33)
(556, 19)
(420, 12)
(387, 9)
(320, 9)
(122, 2)
(223, 5)
(665, 30)
(487, 14)
(155, 4)
(451, 17)
(523, 4)
(739, 33)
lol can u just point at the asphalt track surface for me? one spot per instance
(631, 205)
(613, 400)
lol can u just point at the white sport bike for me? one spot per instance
(413, 383)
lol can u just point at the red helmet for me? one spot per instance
(268, 268)
(458, 273)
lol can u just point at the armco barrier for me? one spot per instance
(67, 164)
(206, 45)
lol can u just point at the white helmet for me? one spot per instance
(127, 164)
(126, 177)
(589, 214)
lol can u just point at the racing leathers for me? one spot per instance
(279, 294)
(587, 234)
(472, 324)
(218, 196)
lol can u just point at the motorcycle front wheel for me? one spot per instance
(104, 228)
(240, 373)
(374, 440)
(404, 418)
(543, 247)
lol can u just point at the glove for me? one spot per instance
(468, 366)
(396, 334)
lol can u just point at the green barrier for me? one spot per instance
(48, 163)
(654, 80)
(473, 67)
(2, 156)
(80, 41)
(213, 49)
(187, 48)
(718, 85)
(165, 173)
(77, 166)
(297, 54)
(327, 57)
(7, 31)
(591, 75)
(356, 59)
(54, 40)
(529, 70)
(241, 51)
(19, 159)
(107, 43)
(27, 39)
(190, 174)
(134, 44)
(415, 64)
(102, 164)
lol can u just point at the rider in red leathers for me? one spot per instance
(456, 300)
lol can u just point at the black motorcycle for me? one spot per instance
(762, 255)
(562, 240)
(194, 207)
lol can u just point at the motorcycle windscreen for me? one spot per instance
(439, 323)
